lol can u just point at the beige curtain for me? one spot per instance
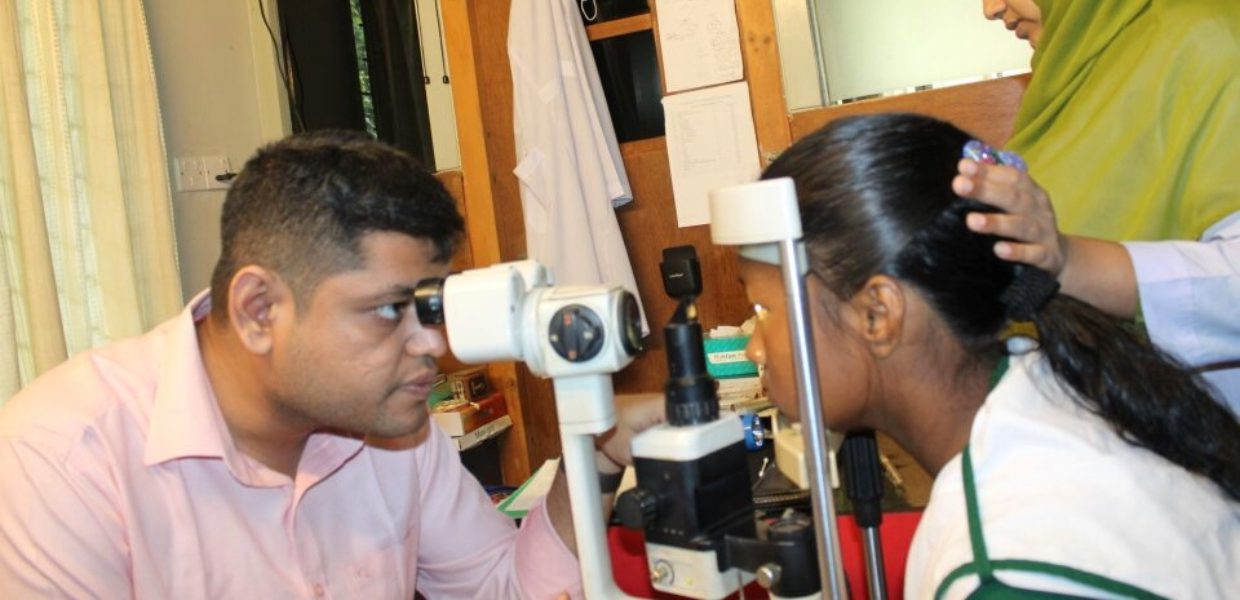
(87, 249)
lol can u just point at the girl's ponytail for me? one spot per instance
(1145, 394)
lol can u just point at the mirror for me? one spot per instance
(884, 47)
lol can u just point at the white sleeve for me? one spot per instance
(1190, 293)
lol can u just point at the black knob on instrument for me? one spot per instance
(637, 508)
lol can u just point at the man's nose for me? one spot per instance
(423, 341)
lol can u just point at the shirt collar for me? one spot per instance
(186, 421)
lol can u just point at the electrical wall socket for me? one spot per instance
(197, 173)
(219, 176)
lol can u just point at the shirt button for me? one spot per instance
(318, 590)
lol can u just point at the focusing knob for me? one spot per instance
(576, 333)
(637, 508)
(792, 528)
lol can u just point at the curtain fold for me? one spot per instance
(85, 209)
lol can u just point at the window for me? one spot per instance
(354, 64)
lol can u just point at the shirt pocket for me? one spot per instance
(379, 575)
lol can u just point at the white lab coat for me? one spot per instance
(1190, 298)
(1056, 484)
(568, 161)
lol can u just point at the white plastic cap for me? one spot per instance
(761, 212)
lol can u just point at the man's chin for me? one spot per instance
(395, 435)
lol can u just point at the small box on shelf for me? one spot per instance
(460, 418)
(725, 357)
(483, 433)
(469, 385)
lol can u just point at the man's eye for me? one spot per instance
(391, 312)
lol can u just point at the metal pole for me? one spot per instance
(830, 561)
(874, 562)
(585, 500)
(815, 31)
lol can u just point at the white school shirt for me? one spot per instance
(568, 161)
(1056, 484)
(1190, 297)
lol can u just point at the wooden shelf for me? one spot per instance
(618, 27)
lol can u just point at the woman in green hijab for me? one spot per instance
(1132, 117)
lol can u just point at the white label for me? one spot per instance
(731, 356)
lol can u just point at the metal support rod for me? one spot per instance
(820, 60)
(577, 441)
(862, 464)
(830, 561)
(874, 564)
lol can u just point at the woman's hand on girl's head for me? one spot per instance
(1028, 219)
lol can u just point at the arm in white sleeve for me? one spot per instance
(1190, 294)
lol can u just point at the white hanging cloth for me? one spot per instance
(568, 161)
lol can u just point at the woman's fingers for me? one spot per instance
(1014, 226)
(1036, 255)
(1002, 187)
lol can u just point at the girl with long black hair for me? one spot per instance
(1082, 461)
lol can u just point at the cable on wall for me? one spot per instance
(285, 61)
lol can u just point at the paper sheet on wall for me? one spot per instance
(699, 42)
(710, 144)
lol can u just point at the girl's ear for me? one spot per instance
(882, 307)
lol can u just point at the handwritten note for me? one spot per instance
(699, 42)
(710, 144)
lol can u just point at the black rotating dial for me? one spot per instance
(576, 333)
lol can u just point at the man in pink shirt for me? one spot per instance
(272, 440)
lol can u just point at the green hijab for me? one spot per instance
(1132, 117)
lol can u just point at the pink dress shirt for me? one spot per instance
(118, 478)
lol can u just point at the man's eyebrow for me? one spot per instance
(395, 292)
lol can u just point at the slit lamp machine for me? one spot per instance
(693, 497)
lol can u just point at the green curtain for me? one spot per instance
(1132, 116)
(86, 231)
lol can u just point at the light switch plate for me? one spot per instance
(218, 175)
(191, 174)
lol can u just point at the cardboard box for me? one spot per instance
(440, 393)
(469, 385)
(725, 357)
(458, 419)
(483, 433)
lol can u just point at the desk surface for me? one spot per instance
(916, 482)
(912, 491)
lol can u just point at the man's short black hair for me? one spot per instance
(301, 205)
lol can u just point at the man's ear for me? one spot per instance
(882, 308)
(253, 298)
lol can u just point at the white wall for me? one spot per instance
(219, 96)
(797, 64)
(879, 46)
